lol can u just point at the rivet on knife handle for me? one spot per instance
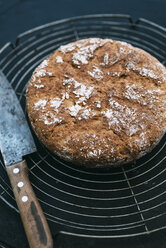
(34, 221)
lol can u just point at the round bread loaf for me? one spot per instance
(98, 102)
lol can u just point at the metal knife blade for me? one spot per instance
(16, 139)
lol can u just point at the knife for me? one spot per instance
(16, 141)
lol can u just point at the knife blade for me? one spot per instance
(15, 137)
(16, 141)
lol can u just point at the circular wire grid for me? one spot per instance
(118, 202)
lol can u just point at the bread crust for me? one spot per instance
(98, 102)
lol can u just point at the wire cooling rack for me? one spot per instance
(119, 202)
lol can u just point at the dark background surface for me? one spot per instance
(17, 16)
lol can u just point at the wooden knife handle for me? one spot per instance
(33, 219)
